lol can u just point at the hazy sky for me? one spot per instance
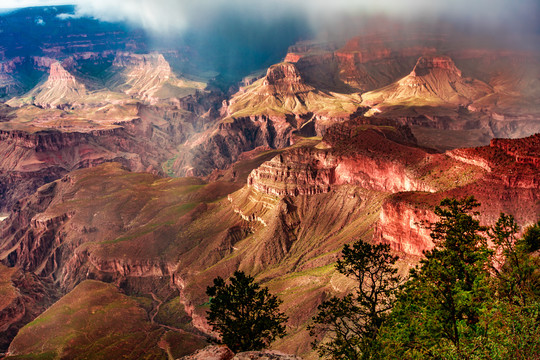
(162, 16)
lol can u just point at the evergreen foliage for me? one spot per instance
(245, 314)
(464, 300)
(353, 322)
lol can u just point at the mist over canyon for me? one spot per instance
(149, 147)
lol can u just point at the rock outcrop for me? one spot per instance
(61, 88)
(224, 353)
(149, 77)
(212, 352)
(427, 64)
(265, 355)
(375, 158)
(24, 297)
(435, 80)
(510, 185)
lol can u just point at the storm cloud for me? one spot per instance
(165, 16)
(171, 16)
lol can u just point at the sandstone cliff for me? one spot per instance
(149, 77)
(61, 88)
(376, 158)
(435, 80)
(509, 185)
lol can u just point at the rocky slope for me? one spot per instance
(290, 205)
(285, 91)
(9, 84)
(41, 145)
(282, 227)
(377, 158)
(267, 113)
(24, 297)
(97, 320)
(434, 81)
(148, 77)
(60, 88)
(510, 185)
(502, 176)
(59, 232)
(70, 243)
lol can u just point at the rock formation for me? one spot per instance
(334, 144)
(509, 185)
(435, 80)
(376, 158)
(223, 353)
(61, 88)
(96, 318)
(265, 355)
(211, 352)
(149, 77)
(285, 91)
(24, 297)
(267, 113)
(34, 153)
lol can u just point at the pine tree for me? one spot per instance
(245, 314)
(351, 324)
(440, 306)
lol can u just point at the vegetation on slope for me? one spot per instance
(464, 300)
(94, 321)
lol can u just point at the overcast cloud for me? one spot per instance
(165, 16)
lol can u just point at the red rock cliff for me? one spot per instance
(510, 185)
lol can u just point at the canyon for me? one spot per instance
(130, 178)
(281, 219)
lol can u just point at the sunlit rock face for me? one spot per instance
(57, 74)
(425, 64)
(60, 88)
(308, 172)
(434, 80)
(502, 176)
(510, 185)
(351, 153)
